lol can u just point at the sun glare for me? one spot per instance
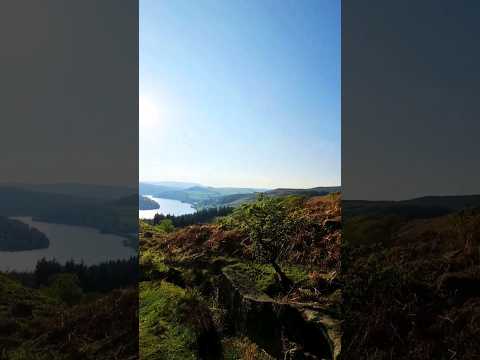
(148, 113)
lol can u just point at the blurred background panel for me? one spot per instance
(69, 178)
(411, 180)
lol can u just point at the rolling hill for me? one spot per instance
(113, 216)
(89, 191)
(208, 196)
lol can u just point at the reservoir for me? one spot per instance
(67, 242)
(167, 206)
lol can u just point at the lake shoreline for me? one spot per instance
(69, 242)
(167, 207)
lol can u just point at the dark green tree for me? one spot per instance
(269, 227)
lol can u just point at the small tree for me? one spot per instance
(269, 228)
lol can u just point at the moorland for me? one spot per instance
(256, 282)
(411, 275)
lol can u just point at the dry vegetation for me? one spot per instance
(194, 261)
(413, 290)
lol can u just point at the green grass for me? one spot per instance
(163, 331)
(154, 260)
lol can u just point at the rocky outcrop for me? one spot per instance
(284, 330)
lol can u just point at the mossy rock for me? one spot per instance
(261, 279)
(268, 322)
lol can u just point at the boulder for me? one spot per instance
(275, 325)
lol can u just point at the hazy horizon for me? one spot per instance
(193, 183)
(240, 94)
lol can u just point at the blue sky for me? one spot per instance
(240, 93)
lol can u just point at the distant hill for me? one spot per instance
(423, 207)
(236, 199)
(152, 188)
(100, 192)
(316, 191)
(17, 236)
(195, 195)
(145, 203)
(114, 216)
(173, 184)
(208, 196)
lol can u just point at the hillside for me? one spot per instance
(412, 279)
(197, 195)
(17, 236)
(206, 196)
(145, 203)
(113, 216)
(38, 324)
(89, 191)
(428, 206)
(232, 303)
(235, 200)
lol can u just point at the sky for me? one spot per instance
(69, 90)
(410, 109)
(240, 93)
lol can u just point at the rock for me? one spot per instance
(333, 223)
(271, 324)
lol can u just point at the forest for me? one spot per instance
(199, 217)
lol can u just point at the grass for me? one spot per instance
(162, 335)
(37, 326)
(172, 322)
(241, 348)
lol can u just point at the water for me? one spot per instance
(167, 206)
(67, 242)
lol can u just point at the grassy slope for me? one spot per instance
(412, 287)
(36, 326)
(172, 267)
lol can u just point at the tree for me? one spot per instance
(66, 287)
(269, 228)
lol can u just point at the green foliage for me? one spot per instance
(168, 330)
(161, 334)
(66, 288)
(201, 216)
(152, 264)
(268, 225)
(166, 225)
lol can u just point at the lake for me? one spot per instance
(67, 242)
(167, 206)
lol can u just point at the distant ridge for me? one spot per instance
(201, 196)
(92, 191)
(425, 206)
(319, 190)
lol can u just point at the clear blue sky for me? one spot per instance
(240, 93)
